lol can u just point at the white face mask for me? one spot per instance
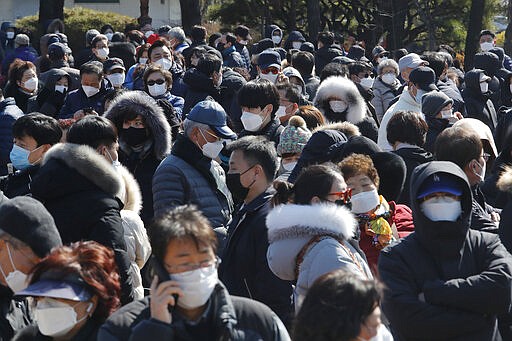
(16, 280)
(142, 60)
(281, 112)
(157, 89)
(276, 39)
(484, 87)
(289, 166)
(55, 318)
(148, 33)
(251, 122)
(380, 59)
(367, 82)
(441, 209)
(338, 106)
(389, 78)
(61, 88)
(365, 201)
(90, 90)
(31, 84)
(109, 36)
(486, 46)
(10, 35)
(211, 149)
(481, 175)
(164, 63)
(446, 114)
(102, 53)
(117, 79)
(270, 77)
(419, 95)
(197, 286)
(296, 45)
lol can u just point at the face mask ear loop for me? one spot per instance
(10, 257)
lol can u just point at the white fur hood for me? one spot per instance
(296, 221)
(344, 88)
(130, 194)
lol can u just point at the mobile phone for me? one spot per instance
(163, 275)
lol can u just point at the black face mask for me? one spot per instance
(134, 136)
(238, 191)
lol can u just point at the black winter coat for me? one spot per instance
(271, 131)
(88, 332)
(478, 105)
(14, 313)
(244, 268)
(77, 100)
(230, 318)
(18, 183)
(200, 86)
(79, 188)
(9, 113)
(445, 281)
(324, 56)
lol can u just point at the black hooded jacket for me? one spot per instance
(478, 105)
(445, 281)
(200, 86)
(49, 101)
(324, 56)
(490, 63)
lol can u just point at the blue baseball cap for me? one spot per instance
(213, 114)
(269, 58)
(70, 287)
(440, 183)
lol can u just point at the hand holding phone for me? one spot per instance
(164, 293)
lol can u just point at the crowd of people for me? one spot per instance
(158, 185)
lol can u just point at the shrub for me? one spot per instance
(77, 21)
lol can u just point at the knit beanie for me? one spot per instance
(294, 137)
(433, 102)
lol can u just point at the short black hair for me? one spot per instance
(180, 223)
(257, 94)
(358, 66)
(92, 131)
(304, 62)
(209, 63)
(230, 38)
(44, 129)
(458, 145)
(326, 38)
(333, 69)
(258, 150)
(436, 61)
(487, 33)
(290, 92)
(92, 68)
(198, 33)
(407, 127)
(157, 43)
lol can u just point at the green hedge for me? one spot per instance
(77, 21)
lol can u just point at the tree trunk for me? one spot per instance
(190, 14)
(49, 10)
(508, 32)
(313, 7)
(292, 18)
(144, 13)
(476, 15)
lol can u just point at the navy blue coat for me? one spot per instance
(77, 99)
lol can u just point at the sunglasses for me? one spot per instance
(158, 81)
(344, 196)
(366, 75)
(272, 70)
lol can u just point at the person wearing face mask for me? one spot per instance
(108, 31)
(136, 71)
(226, 46)
(422, 79)
(22, 51)
(114, 71)
(27, 234)
(488, 41)
(90, 94)
(144, 140)
(243, 37)
(385, 87)
(75, 288)
(50, 99)
(191, 174)
(477, 97)
(274, 33)
(424, 286)
(100, 48)
(463, 147)
(379, 55)
(244, 269)
(311, 230)
(289, 101)
(294, 41)
(34, 134)
(259, 101)
(7, 35)
(22, 83)
(361, 73)
(269, 65)
(375, 215)
(187, 300)
(293, 140)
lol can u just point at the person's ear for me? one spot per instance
(268, 109)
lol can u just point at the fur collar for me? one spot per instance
(344, 88)
(293, 221)
(130, 194)
(505, 180)
(88, 163)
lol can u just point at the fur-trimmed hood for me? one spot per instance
(141, 103)
(87, 162)
(504, 183)
(345, 89)
(297, 221)
(130, 194)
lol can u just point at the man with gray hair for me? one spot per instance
(177, 38)
(191, 174)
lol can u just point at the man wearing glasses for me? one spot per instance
(464, 148)
(187, 301)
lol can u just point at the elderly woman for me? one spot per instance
(386, 86)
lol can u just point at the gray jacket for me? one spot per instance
(383, 94)
(291, 227)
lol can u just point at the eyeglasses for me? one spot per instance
(192, 266)
(344, 196)
(272, 70)
(365, 75)
(158, 81)
(486, 156)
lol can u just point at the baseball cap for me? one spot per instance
(378, 50)
(440, 182)
(269, 58)
(211, 113)
(425, 77)
(411, 60)
(357, 52)
(113, 64)
(56, 51)
(55, 284)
